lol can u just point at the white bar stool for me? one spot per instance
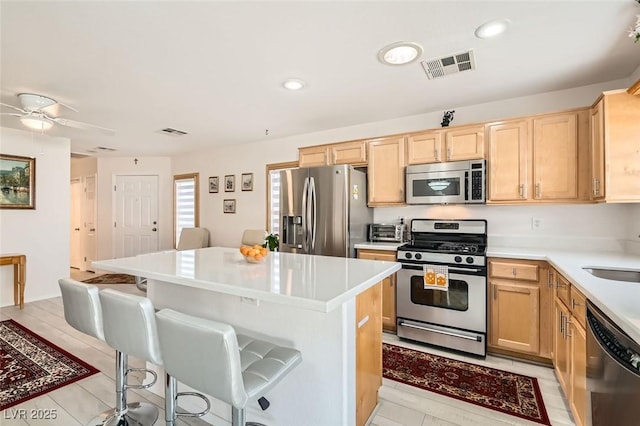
(130, 328)
(208, 356)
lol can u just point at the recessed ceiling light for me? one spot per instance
(492, 28)
(400, 53)
(293, 84)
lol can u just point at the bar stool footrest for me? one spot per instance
(147, 371)
(188, 413)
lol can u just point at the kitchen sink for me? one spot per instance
(615, 274)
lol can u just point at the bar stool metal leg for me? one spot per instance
(133, 414)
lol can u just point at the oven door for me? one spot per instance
(437, 187)
(464, 306)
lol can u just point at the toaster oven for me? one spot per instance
(382, 232)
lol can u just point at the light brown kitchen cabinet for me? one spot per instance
(368, 352)
(452, 144)
(313, 156)
(385, 175)
(615, 147)
(570, 348)
(388, 287)
(464, 143)
(539, 159)
(508, 160)
(425, 147)
(519, 308)
(352, 152)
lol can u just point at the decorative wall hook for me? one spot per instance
(447, 118)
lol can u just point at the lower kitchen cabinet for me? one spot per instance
(520, 308)
(570, 352)
(388, 287)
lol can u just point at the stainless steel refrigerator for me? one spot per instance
(324, 210)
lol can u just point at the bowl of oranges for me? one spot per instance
(254, 254)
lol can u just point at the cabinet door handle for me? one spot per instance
(596, 186)
(495, 293)
(436, 154)
(561, 324)
(521, 190)
(566, 327)
(449, 153)
(574, 303)
(538, 190)
(549, 279)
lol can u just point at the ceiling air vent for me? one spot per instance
(173, 132)
(452, 64)
(104, 148)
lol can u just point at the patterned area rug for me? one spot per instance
(490, 388)
(32, 366)
(112, 279)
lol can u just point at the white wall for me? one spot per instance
(108, 169)
(41, 234)
(226, 229)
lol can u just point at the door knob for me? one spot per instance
(154, 229)
(155, 222)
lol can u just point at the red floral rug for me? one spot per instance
(490, 388)
(32, 366)
(112, 279)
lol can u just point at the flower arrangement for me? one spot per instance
(634, 32)
(272, 242)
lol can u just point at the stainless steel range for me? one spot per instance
(455, 318)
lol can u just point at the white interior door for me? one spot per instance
(90, 219)
(76, 224)
(136, 215)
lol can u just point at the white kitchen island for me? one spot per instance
(304, 301)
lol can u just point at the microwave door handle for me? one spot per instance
(467, 196)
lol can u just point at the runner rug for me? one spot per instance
(32, 366)
(498, 390)
(112, 279)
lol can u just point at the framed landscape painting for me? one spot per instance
(17, 182)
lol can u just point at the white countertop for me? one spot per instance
(378, 246)
(319, 283)
(619, 300)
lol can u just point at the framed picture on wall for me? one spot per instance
(17, 182)
(229, 206)
(213, 184)
(247, 181)
(229, 183)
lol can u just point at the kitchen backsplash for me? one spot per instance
(608, 227)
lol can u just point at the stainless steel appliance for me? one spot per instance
(613, 373)
(324, 210)
(456, 182)
(384, 232)
(457, 318)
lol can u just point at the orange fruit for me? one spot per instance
(244, 250)
(263, 251)
(258, 257)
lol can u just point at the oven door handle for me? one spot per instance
(462, 271)
(447, 333)
(451, 269)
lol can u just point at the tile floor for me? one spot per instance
(400, 405)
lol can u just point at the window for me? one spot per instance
(273, 194)
(186, 203)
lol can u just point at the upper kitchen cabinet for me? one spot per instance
(385, 174)
(454, 144)
(539, 159)
(353, 152)
(615, 147)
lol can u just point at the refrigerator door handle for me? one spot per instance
(313, 211)
(305, 200)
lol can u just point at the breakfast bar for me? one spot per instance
(328, 308)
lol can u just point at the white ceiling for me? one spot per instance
(214, 69)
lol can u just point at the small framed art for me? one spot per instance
(247, 181)
(229, 183)
(213, 184)
(229, 206)
(18, 182)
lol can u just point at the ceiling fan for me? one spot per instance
(33, 114)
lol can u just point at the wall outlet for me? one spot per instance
(536, 223)
(250, 301)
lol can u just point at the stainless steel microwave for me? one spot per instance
(455, 182)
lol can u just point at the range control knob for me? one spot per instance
(418, 256)
(457, 259)
(469, 259)
(407, 255)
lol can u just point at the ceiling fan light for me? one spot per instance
(37, 123)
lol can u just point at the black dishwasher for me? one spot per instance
(613, 373)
